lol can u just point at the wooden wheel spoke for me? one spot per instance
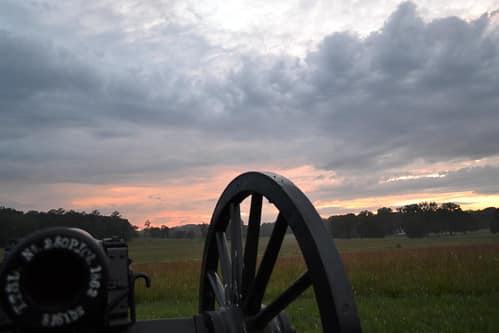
(255, 296)
(223, 255)
(217, 288)
(251, 246)
(236, 250)
(264, 316)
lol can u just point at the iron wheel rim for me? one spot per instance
(244, 285)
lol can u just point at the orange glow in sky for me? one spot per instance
(188, 200)
(361, 104)
(467, 200)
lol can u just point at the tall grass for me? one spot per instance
(390, 286)
(470, 270)
(436, 284)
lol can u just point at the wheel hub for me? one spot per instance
(225, 320)
(232, 320)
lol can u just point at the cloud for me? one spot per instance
(113, 100)
(478, 180)
(411, 90)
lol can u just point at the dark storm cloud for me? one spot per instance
(110, 108)
(412, 90)
(33, 67)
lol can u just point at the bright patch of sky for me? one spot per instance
(152, 107)
(282, 26)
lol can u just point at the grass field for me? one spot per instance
(150, 250)
(436, 284)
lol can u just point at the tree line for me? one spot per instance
(190, 231)
(15, 224)
(193, 231)
(414, 220)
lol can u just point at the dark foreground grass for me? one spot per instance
(444, 313)
(437, 284)
(440, 289)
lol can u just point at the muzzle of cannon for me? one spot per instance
(64, 280)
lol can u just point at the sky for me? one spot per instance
(152, 107)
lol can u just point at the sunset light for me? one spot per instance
(249, 166)
(150, 109)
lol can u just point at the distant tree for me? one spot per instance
(179, 234)
(388, 219)
(370, 225)
(165, 231)
(15, 224)
(344, 226)
(73, 213)
(116, 214)
(190, 234)
(203, 228)
(484, 217)
(154, 232)
(58, 211)
(413, 223)
(449, 217)
(451, 206)
(494, 222)
(362, 223)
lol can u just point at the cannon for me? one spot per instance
(64, 280)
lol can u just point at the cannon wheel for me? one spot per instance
(232, 300)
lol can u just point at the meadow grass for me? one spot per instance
(437, 284)
(155, 250)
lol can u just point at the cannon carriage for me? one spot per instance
(232, 285)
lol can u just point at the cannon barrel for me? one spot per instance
(55, 278)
